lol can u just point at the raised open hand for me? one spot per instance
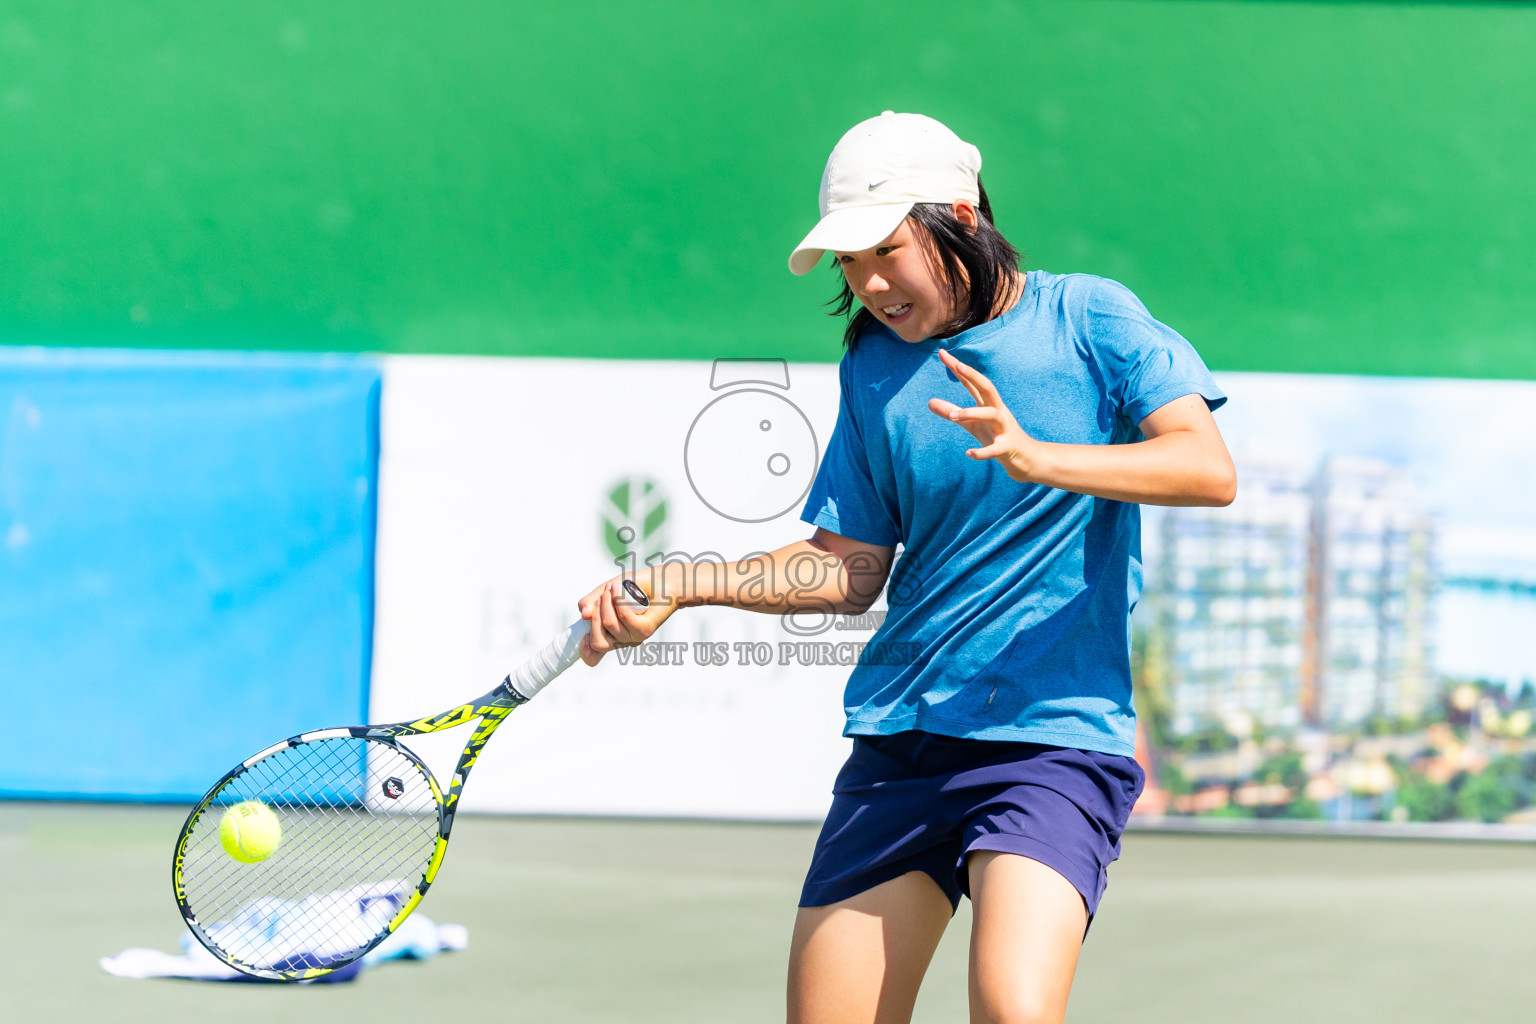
(989, 421)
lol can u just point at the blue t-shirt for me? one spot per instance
(1009, 608)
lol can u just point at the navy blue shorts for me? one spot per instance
(917, 801)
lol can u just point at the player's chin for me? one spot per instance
(909, 330)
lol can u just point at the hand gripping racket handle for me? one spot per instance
(559, 654)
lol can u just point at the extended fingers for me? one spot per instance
(983, 422)
(978, 414)
(976, 382)
(959, 370)
(991, 451)
(940, 407)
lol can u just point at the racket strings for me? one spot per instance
(349, 856)
(321, 925)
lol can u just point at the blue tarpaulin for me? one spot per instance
(186, 562)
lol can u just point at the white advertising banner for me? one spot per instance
(509, 488)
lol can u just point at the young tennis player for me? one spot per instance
(1001, 427)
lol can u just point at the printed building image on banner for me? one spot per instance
(1354, 638)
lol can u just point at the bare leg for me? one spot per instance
(1025, 937)
(861, 961)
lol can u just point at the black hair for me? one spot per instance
(977, 264)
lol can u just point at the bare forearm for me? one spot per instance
(1183, 460)
(1177, 468)
(803, 576)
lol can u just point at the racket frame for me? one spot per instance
(491, 710)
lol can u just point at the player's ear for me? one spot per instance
(965, 213)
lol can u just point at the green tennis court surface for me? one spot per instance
(585, 921)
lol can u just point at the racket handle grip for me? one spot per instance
(559, 654)
(554, 658)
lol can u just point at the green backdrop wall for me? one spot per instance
(1313, 187)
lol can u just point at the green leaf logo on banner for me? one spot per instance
(635, 521)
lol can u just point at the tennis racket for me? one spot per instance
(357, 825)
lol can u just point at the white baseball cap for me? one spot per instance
(877, 172)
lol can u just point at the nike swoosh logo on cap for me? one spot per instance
(877, 184)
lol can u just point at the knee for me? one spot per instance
(1015, 1008)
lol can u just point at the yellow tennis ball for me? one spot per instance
(249, 832)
